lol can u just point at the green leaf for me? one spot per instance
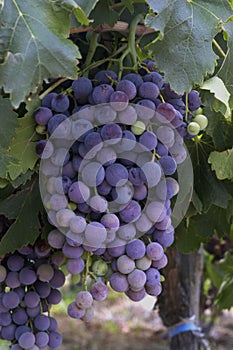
(226, 73)
(213, 272)
(184, 49)
(23, 148)
(22, 179)
(5, 161)
(84, 9)
(222, 164)
(187, 239)
(129, 5)
(24, 207)
(220, 130)
(104, 14)
(35, 46)
(8, 122)
(216, 86)
(224, 298)
(226, 264)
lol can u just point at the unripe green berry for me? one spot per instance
(201, 120)
(193, 128)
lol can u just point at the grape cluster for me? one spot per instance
(29, 283)
(217, 247)
(109, 158)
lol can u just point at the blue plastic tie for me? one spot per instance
(184, 327)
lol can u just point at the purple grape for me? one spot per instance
(5, 319)
(125, 265)
(137, 279)
(134, 176)
(55, 121)
(46, 101)
(154, 290)
(155, 78)
(56, 239)
(151, 173)
(41, 322)
(99, 291)
(93, 174)
(42, 288)
(136, 296)
(131, 212)
(82, 87)
(27, 340)
(54, 297)
(140, 192)
(21, 330)
(8, 332)
(161, 263)
(60, 103)
(42, 115)
(119, 100)
(74, 311)
(135, 249)
(78, 192)
(58, 279)
(116, 174)
(194, 101)
(105, 77)
(75, 266)
(136, 79)
(116, 251)
(95, 234)
(111, 132)
(10, 300)
(149, 140)
(119, 282)
(128, 116)
(55, 340)
(45, 272)
(149, 90)
(12, 280)
(168, 165)
(154, 251)
(44, 149)
(42, 339)
(102, 93)
(20, 316)
(34, 311)
(104, 188)
(152, 277)
(128, 88)
(84, 300)
(31, 299)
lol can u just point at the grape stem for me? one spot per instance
(218, 47)
(52, 87)
(131, 49)
(92, 48)
(86, 274)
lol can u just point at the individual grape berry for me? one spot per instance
(60, 103)
(82, 87)
(193, 128)
(201, 120)
(102, 93)
(135, 249)
(42, 115)
(119, 100)
(105, 77)
(128, 88)
(149, 91)
(119, 282)
(99, 291)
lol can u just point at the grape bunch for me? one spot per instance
(109, 161)
(29, 286)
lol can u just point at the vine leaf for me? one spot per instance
(23, 148)
(24, 207)
(216, 86)
(226, 72)
(86, 6)
(33, 37)
(183, 50)
(5, 160)
(104, 14)
(8, 122)
(222, 164)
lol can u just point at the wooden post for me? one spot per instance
(181, 295)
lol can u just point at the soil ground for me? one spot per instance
(120, 324)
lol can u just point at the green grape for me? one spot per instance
(201, 120)
(193, 128)
(100, 268)
(198, 111)
(138, 128)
